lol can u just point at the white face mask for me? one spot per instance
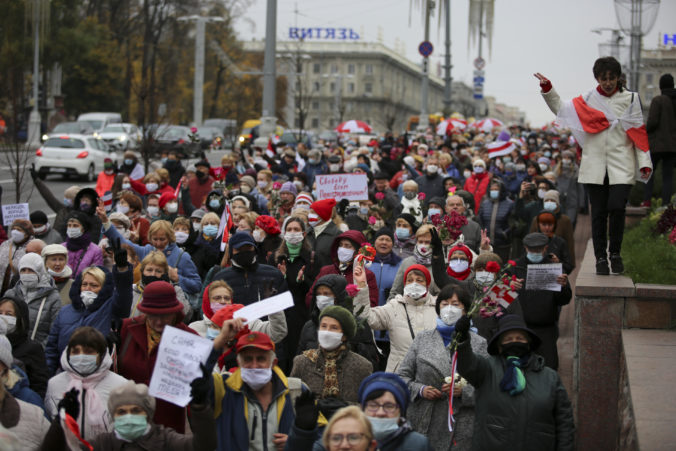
(549, 205)
(458, 265)
(467, 174)
(450, 314)
(313, 219)
(424, 249)
(484, 278)
(262, 184)
(415, 290)
(329, 340)
(88, 297)
(17, 235)
(256, 378)
(345, 255)
(543, 167)
(29, 280)
(197, 226)
(65, 272)
(258, 236)
(181, 237)
(541, 193)
(383, 427)
(478, 169)
(84, 364)
(11, 322)
(172, 207)
(293, 237)
(126, 186)
(324, 301)
(124, 209)
(40, 230)
(74, 232)
(432, 169)
(151, 187)
(153, 211)
(335, 167)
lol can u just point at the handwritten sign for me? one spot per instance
(265, 307)
(543, 277)
(342, 186)
(178, 364)
(14, 211)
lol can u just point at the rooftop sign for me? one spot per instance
(335, 34)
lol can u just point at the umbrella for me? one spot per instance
(354, 127)
(488, 124)
(445, 127)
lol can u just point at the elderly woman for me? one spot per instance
(207, 246)
(131, 166)
(154, 267)
(131, 206)
(422, 255)
(82, 252)
(349, 428)
(520, 403)
(11, 251)
(405, 230)
(426, 366)
(410, 204)
(55, 257)
(495, 215)
(86, 365)
(332, 370)
(459, 267)
(36, 289)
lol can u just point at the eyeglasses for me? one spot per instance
(388, 407)
(352, 439)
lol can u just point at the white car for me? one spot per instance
(121, 136)
(73, 155)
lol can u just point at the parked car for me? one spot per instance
(249, 132)
(290, 138)
(99, 121)
(210, 138)
(73, 155)
(328, 136)
(80, 128)
(177, 137)
(121, 136)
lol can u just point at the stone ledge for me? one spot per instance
(589, 284)
(655, 291)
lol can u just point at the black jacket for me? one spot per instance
(251, 286)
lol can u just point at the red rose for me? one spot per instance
(352, 290)
(492, 267)
(421, 196)
(276, 185)
(193, 130)
(511, 262)
(380, 196)
(372, 220)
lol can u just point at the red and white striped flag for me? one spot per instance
(71, 432)
(107, 199)
(225, 226)
(500, 148)
(503, 294)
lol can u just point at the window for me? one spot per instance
(315, 105)
(369, 69)
(334, 68)
(315, 123)
(333, 86)
(350, 88)
(316, 86)
(368, 88)
(350, 68)
(316, 68)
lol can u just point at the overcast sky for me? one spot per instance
(552, 37)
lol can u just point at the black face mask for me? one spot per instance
(200, 174)
(516, 349)
(245, 259)
(147, 280)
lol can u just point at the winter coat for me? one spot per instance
(136, 364)
(610, 151)
(16, 383)
(267, 248)
(26, 421)
(472, 234)
(501, 234)
(51, 237)
(385, 269)
(428, 363)
(176, 171)
(104, 182)
(391, 200)
(94, 221)
(312, 170)
(402, 317)
(351, 370)
(431, 185)
(103, 381)
(477, 185)
(10, 252)
(113, 302)
(661, 124)
(206, 254)
(398, 284)
(321, 245)
(197, 190)
(189, 279)
(540, 418)
(84, 258)
(251, 286)
(63, 287)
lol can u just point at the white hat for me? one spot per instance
(6, 352)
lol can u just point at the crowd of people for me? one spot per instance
(361, 360)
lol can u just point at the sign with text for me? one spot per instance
(178, 364)
(342, 186)
(265, 307)
(14, 211)
(543, 277)
(335, 34)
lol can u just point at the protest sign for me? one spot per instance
(342, 186)
(178, 364)
(543, 277)
(14, 211)
(265, 307)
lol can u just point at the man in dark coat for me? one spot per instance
(324, 230)
(381, 185)
(661, 128)
(431, 183)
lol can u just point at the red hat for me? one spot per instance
(268, 224)
(464, 249)
(324, 208)
(165, 198)
(255, 340)
(159, 298)
(420, 268)
(225, 314)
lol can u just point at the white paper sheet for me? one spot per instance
(265, 307)
(543, 277)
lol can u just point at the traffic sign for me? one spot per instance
(425, 48)
(479, 80)
(479, 63)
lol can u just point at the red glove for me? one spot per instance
(646, 171)
(546, 85)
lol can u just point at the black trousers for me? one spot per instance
(607, 214)
(668, 160)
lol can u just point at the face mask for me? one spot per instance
(196, 226)
(215, 306)
(212, 333)
(200, 174)
(147, 280)
(515, 348)
(520, 167)
(84, 364)
(84, 206)
(312, 161)
(415, 290)
(151, 187)
(214, 203)
(345, 255)
(541, 193)
(17, 236)
(181, 237)
(67, 202)
(128, 161)
(467, 174)
(432, 169)
(258, 236)
(74, 232)
(548, 154)
(450, 314)
(409, 195)
(108, 171)
(29, 280)
(315, 194)
(172, 207)
(363, 210)
(383, 427)
(329, 340)
(124, 209)
(507, 159)
(495, 194)
(293, 237)
(334, 167)
(424, 249)
(164, 160)
(402, 233)
(458, 265)
(153, 210)
(433, 212)
(126, 186)
(543, 167)
(478, 169)
(324, 301)
(88, 297)
(549, 205)
(484, 278)
(534, 257)
(10, 321)
(245, 259)
(210, 230)
(262, 184)
(256, 378)
(313, 219)
(40, 230)
(523, 151)
(566, 163)
(65, 272)
(122, 231)
(131, 427)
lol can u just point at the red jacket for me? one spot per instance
(477, 184)
(135, 364)
(104, 182)
(199, 190)
(140, 187)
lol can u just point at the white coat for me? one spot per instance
(32, 426)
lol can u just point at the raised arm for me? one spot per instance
(549, 93)
(378, 317)
(54, 203)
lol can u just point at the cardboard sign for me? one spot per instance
(178, 364)
(14, 211)
(543, 277)
(342, 186)
(265, 307)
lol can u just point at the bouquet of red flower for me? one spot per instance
(449, 226)
(366, 253)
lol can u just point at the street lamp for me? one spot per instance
(34, 121)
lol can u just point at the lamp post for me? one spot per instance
(34, 121)
(268, 118)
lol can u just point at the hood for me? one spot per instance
(106, 292)
(355, 236)
(86, 191)
(219, 210)
(337, 283)
(206, 304)
(20, 333)
(105, 365)
(45, 286)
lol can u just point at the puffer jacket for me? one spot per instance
(540, 418)
(402, 317)
(500, 235)
(83, 258)
(113, 302)
(16, 383)
(477, 185)
(398, 284)
(610, 151)
(26, 421)
(43, 302)
(103, 381)
(385, 269)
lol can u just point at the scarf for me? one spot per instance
(458, 275)
(331, 387)
(513, 381)
(154, 337)
(294, 250)
(79, 243)
(445, 331)
(421, 259)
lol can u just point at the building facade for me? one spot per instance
(654, 64)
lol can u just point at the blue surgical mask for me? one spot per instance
(548, 154)
(534, 257)
(363, 210)
(549, 205)
(506, 159)
(402, 233)
(312, 161)
(383, 427)
(432, 212)
(128, 161)
(164, 160)
(67, 202)
(215, 203)
(212, 333)
(131, 427)
(494, 194)
(210, 230)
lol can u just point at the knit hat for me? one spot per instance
(33, 262)
(24, 225)
(552, 194)
(384, 231)
(198, 214)
(6, 352)
(159, 298)
(54, 249)
(82, 218)
(380, 175)
(420, 268)
(343, 316)
(288, 187)
(248, 180)
(410, 219)
(302, 197)
(336, 283)
(203, 163)
(225, 314)
(462, 248)
(507, 323)
(165, 198)
(269, 224)
(479, 162)
(131, 393)
(324, 208)
(364, 168)
(390, 382)
(240, 239)
(437, 201)
(71, 192)
(288, 152)
(39, 217)
(120, 217)
(667, 81)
